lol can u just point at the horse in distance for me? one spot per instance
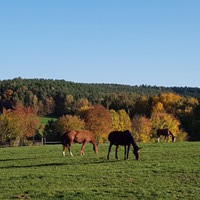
(126, 139)
(82, 137)
(166, 133)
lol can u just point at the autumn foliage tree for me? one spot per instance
(120, 120)
(29, 123)
(98, 121)
(54, 129)
(162, 120)
(124, 120)
(170, 101)
(9, 127)
(18, 125)
(115, 120)
(141, 128)
(69, 123)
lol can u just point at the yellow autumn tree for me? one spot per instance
(69, 123)
(124, 121)
(169, 101)
(120, 120)
(82, 104)
(158, 107)
(141, 128)
(193, 101)
(115, 120)
(161, 120)
(9, 127)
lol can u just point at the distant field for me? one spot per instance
(166, 171)
(44, 120)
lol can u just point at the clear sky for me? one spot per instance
(134, 42)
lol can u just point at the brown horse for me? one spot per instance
(124, 138)
(166, 133)
(78, 137)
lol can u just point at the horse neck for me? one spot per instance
(133, 142)
(171, 134)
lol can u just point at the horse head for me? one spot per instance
(173, 139)
(136, 152)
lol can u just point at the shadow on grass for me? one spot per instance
(15, 159)
(89, 162)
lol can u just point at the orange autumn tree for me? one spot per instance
(28, 122)
(18, 125)
(98, 121)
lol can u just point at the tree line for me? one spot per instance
(141, 109)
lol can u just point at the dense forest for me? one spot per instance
(143, 104)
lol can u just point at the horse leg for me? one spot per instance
(109, 149)
(128, 150)
(159, 139)
(124, 152)
(63, 153)
(69, 148)
(165, 138)
(83, 147)
(116, 152)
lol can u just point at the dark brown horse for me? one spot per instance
(166, 133)
(124, 138)
(83, 137)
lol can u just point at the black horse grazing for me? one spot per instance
(124, 138)
(166, 133)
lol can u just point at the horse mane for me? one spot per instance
(133, 139)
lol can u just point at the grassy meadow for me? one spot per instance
(44, 120)
(166, 171)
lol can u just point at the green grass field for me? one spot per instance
(44, 120)
(166, 171)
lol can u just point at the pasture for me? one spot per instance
(166, 171)
(44, 120)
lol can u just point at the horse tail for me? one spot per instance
(64, 139)
(110, 136)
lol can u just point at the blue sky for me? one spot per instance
(134, 42)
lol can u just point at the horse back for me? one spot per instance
(163, 131)
(120, 138)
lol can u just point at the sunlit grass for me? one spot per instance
(44, 120)
(166, 171)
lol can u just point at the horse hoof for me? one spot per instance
(71, 154)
